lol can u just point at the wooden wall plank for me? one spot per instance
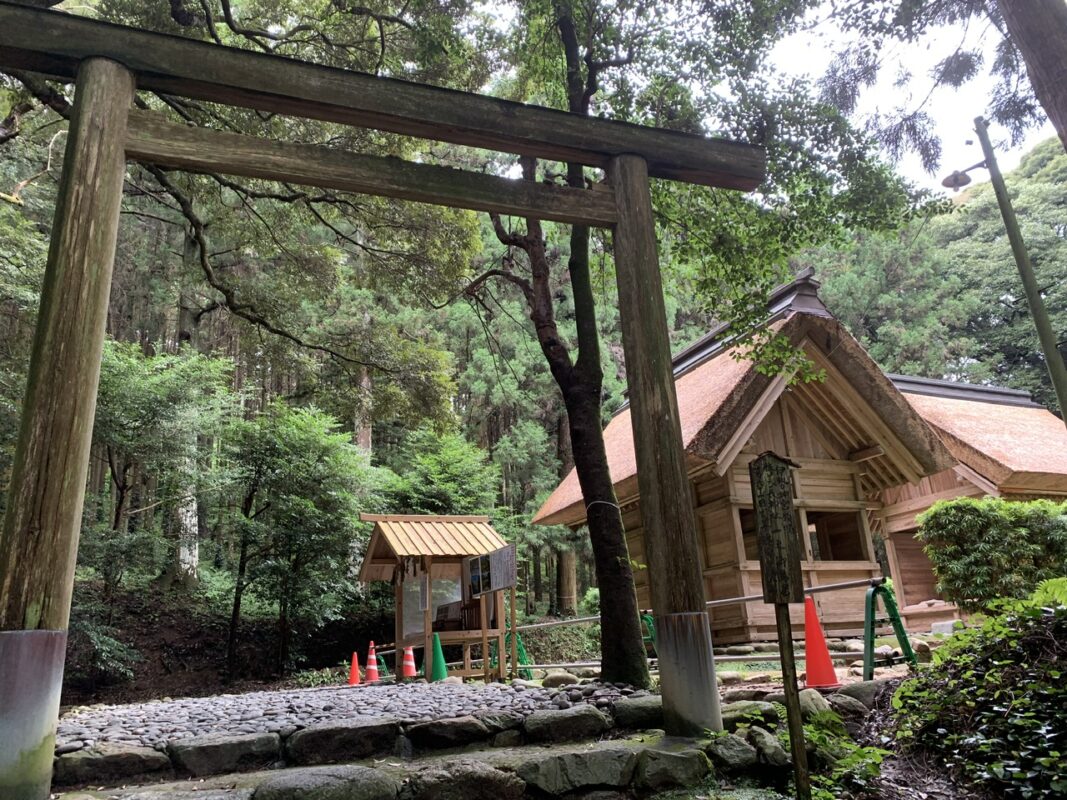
(53, 43)
(153, 139)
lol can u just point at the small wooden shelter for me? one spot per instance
(1006, 445)
(854, 435)
(423, 556)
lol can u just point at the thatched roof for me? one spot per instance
(722, 397)
(1019, 446)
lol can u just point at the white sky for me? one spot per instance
(953, 110)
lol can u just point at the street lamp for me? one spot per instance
(1053, 360)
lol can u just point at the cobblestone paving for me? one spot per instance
(284, 712)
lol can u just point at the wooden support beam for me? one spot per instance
(866, 453)
(39, 538)
(54, 43)
(153, 139)
(683, 631)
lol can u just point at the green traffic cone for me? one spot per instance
(438, 670)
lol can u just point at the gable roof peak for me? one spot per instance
(798, 296)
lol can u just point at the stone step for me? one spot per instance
(635, 764)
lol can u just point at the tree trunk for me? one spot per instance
(538, 583)
(567, 583)
(1039, 29)
(622, 648)
(363, 430)
(235, 612)
(553, 585)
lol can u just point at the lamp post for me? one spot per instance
(1053, 359)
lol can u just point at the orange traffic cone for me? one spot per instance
(407, 669)
(372, 665)
(820, 669)
(353, 672)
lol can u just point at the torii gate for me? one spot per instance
(39, 538)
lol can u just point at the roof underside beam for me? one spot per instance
(53, 43)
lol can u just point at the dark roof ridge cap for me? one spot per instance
(800, 295)
(957, 390)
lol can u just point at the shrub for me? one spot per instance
(986, 549)
(992, 705)
(590, 605)
(95, 657)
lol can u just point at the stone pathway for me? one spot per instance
(156, 724)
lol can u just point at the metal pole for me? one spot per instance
(1053, 360)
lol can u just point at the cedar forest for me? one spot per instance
(279, 360)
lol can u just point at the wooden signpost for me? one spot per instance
(779, 553)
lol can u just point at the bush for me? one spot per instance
(590, 605)
(986, 549)
(95, 657)
(992, 705)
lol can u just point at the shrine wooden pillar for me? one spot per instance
(683, 631)
(42, 521)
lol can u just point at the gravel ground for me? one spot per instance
(157, 723)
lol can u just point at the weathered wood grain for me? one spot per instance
(54, 43)
(776, 528)
(670, 527)
(39, 538)
(153, 139)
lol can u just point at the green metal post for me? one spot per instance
(870, 619)
(1053, 359)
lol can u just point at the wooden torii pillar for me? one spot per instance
(683, 629)
(39, 537)
(42, 522)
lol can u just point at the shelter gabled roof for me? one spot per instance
(722, 396)
(999, 433)
(398, 536)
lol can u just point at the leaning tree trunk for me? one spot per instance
(1039, 29)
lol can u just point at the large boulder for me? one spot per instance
(500, 721)
(108, 762)
(847, 706)
(662, 769)
(337, 782)
(639, 712)
(222, 752)
(812, 702)
(748, 712)
(463, 780)
(740, 650)
(343, 740)
(604, 764)
(580, 722)
(452, 732)
(769, 750)
(864, 691)
(730, 753)
(557, 678)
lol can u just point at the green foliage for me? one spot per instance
(327, 676)
(991, 548)
(590, 603)
(992, 704)
(95, 654)
(845, 769)
(441, 474)
(1051, 592)
(942, 298)
(302, 486)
